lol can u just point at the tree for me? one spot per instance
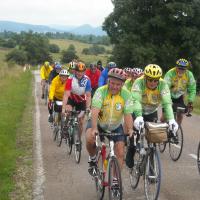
(18, 56)
(144, 32)
(69, 54)
(54, 48)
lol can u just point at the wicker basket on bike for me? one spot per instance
(156, 132)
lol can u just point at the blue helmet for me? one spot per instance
(58, 66)
(112, 65)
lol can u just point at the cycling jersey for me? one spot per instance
(44, 72)
(78, 88)
(180, 85)
(103, 78)
(56, 89)
(149, 100)
(52, 75)
(94, 77)
(128, 84)
(112, 107)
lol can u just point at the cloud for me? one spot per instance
(65, 12)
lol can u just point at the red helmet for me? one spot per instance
(117, 73)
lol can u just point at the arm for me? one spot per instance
(65, 99)
(128, 120)
(95, 113)
(88, 99)
(42, 73)
(191, 88)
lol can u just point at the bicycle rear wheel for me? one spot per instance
(45, 93)
(99, 178)
(198, 157)
(175, 148)
(59, 138)
(77, 144)
(114, 180)
(134, 173)
(69, 143)
(152, 175)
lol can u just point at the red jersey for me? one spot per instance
(94, 77)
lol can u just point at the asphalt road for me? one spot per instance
(58, 177)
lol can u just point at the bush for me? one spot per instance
(69, 54)
(18, 56)
(54, 48)
(94, 50)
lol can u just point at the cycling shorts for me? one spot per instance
(78, 106)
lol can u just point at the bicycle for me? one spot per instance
(57, 124)
(107, 165)
(175, 143)
(46, 92)
(146, 159)
(71, 133)
(198, 157)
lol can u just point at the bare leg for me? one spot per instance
(119, 151)
(90, 143)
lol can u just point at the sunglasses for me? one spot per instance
(153, 80)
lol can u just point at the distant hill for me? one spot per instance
(85, 29)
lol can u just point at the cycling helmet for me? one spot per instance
(153, 71)
(93, 65)
(117, 73)
(80, 67)
(58, 66)
(128, 70)
(46, 63)
(112, 65)
(137, 72)
(182, 63)
(99, 62)
(64, 72)
(72, 65)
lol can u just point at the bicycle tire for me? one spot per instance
(115, 191)
(45, 94)
(59, 138)
(198, 157)
(134, 173)
(55, 132)
(174, 149)
(152, 175)
(77, 144)
(69, 143)
(162, 147)
(99, 179)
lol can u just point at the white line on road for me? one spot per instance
(193, 156)
(38, 185)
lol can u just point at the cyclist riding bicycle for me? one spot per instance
(149, 91)
(104, 74)
(181, 81)
(93, 73)
(110, 104)
(135, 73)
(56, 70)
(77, 92)
(99, 65)
(44, 74)
(56, 92)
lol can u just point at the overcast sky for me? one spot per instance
(61, 12)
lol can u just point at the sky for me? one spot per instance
(59, 12)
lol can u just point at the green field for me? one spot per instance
(79, 46)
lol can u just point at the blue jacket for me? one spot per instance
(103, 78)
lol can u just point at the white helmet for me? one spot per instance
(64, 72)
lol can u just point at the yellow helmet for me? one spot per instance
(153, 71)
(46, 63)
(182, 63)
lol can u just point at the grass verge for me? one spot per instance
(197, 105)
(16, 133)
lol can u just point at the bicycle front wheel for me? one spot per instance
(162, 147)
(77, 144)
(134, 173)
(176, 147)
(100, 177)
(114, 180)
(69, 143)
(198, 157)
(152, 175)
(58, 137)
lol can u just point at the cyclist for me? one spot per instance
(104, 74)
(180, 80)
(135, 73)
(56, 70)
(44, 74)
(72, 66)
(56, 92)
(77, 92)
(110, 104)
(93, 73)
(99, 65)
(149, 91)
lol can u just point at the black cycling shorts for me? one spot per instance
(78, 106)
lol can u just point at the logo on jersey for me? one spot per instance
(83, 82)
(118, 106)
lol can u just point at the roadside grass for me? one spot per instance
(79, 46)
(15, 90)
(197, 105)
